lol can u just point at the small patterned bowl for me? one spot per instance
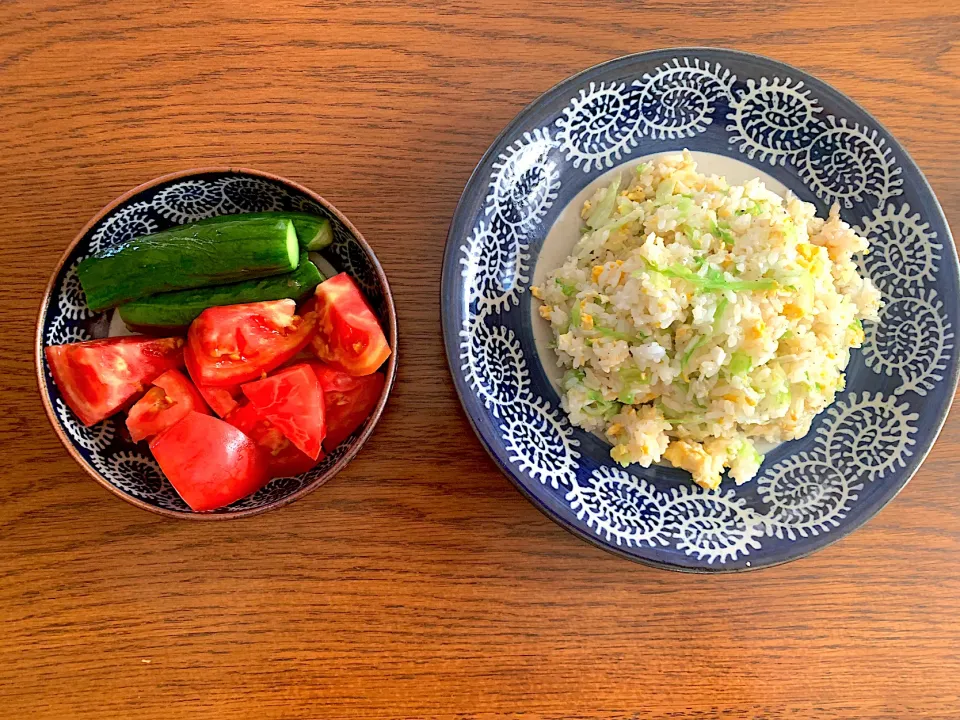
(104, 450)
(741, 115)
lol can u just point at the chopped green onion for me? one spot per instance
(740, 363)
(856, 325)
(786, 335)
(567, 289)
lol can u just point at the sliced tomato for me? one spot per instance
(292, 401)
(99, 377)
(348, 401)
(171, 397)
(222, 400)
(283, 457)
(209, 462)
(235, 344)
(348, 336)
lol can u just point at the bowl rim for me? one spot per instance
(391, 367)
(450, 327)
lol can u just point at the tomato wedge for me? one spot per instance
(171, 397)
(292, 401)
(222, 400)
(283, 458)
(234, 344)
(348, 401)
(209, 462)
(99, 377)
(348, 334)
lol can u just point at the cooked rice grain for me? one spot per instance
(695, 316)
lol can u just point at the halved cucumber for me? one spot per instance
(173, 310)
(190, 256)
(313, 232)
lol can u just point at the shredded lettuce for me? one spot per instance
(684, 206)
(747, 452)
(740, 363)
(754, 209)
(598, 407)
(790, 231)
(694, 235)
(712, 281)
(619, 335)
(625, 220)
(678, 418)
(572, 378)
(633, 380)
(567, 289)
(634, 375)
(718, 313)
(691, 349)
(722, 232)
(665, 189)
(642, 168)
(601, 213)
(575, 314)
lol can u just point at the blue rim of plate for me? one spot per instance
(811, 492)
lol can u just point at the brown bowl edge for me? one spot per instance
(391, 371)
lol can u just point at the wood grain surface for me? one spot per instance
(419, 583)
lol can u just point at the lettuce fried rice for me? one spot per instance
(695, 317)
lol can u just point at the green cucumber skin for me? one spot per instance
(176, 310)
(313, 232)
(189, 256)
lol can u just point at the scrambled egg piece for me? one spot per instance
(692, 457)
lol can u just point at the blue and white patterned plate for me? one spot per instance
(764, 118)
(105, 450)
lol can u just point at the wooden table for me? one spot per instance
(419, 583)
